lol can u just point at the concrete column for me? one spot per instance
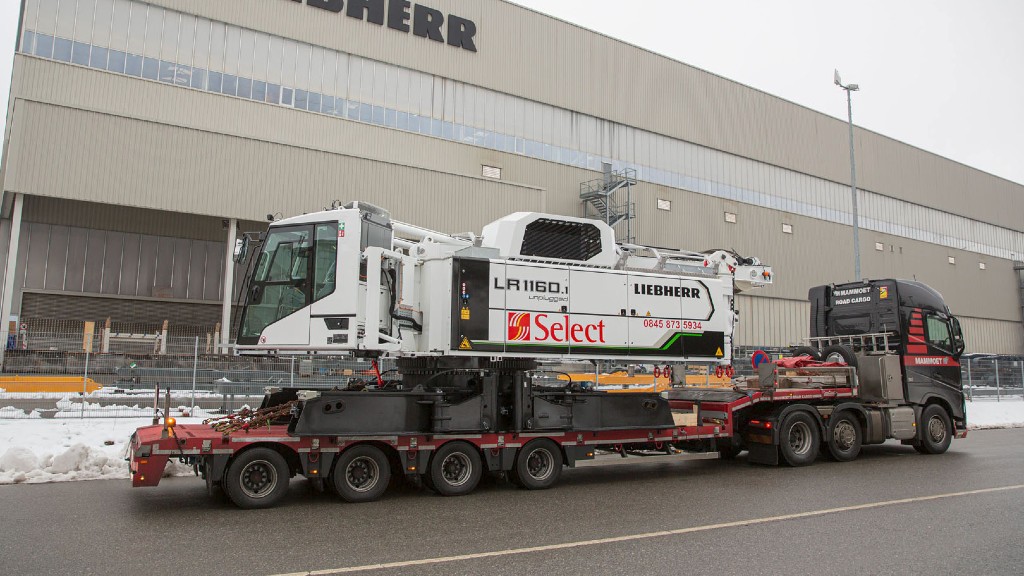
(9, 271)
(229, 283)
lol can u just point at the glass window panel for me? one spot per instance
(352, 108)
(121, 15)
(380, 72)
(46, 21)
(341, 82)
(201, 54)
(133, 65)
(303, 54)
(316, 69)
(378, 115)
(273, 94)
(340, 107)
(327, 105)
(390, 117)
(402, 120)
(261, 56)
(102, 22)
(44, 45)
(402, 81)
(186, 39)
(166, 72)
(62, 50)
(154, 33)
(365, 112)
(301, 99)
(246, 53)
(314, 102)
(198, 78)
(66, 18)
(232, 35)
(98, 58)
(244, 87)
(355, 74)
(31, 15)
(286, 96)
(182, 75)
(215, 81)
(366, 82)
(150, 68)
(259, 90)
(80, 53)
(230, 84)
(217, 33)
(169, 39)
(28, 43)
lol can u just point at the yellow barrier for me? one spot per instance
(645, 382)
(47, 384)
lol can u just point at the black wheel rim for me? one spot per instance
(540, 464)
(258, 479)
(362, 474)
(456, 469)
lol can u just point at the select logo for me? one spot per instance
(518, 326)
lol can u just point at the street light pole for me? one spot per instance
(850, 89)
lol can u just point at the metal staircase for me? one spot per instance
(600, 202)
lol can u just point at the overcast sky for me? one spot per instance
(943, 75)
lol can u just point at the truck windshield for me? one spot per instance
(279, 284)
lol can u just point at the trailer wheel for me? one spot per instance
(936, 430)
(256, 478)
(799, 439)
(455, 469)
(538, 464)
(811, 351)
(844, 437)
(362, 474)
(839, 353)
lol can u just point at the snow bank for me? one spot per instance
(983, 414)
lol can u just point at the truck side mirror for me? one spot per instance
(958, 336)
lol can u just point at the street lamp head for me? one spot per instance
(853, 87)
(838, 80)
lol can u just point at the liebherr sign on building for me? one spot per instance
(405, 17)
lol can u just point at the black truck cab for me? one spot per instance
(917, 325)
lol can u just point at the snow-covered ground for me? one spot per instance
(35, 450)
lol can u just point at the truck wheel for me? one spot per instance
(256, 478)
(362, 474)
(844, 437)
(799, 439)
(839, 353)
(811, 351)
(936, 430)
(455, 469)
(539, 464)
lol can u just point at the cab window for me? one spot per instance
(937, 333)
(324, 273)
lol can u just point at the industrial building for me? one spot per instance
(143, 137)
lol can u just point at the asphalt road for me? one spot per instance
(706, 516)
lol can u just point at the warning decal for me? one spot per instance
(718, 353)
(465, 344)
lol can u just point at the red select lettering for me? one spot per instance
(563, 330)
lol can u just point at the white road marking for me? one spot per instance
(646, 535)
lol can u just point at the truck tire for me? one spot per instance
(844, 436)
(811, 351)
(799, 439)
(538, 464)
(455, 469)
(256, 478)
(936, 430)
(362, 474)
(839, 353)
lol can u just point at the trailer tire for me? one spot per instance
(844, 437)
(362, 474)
(811, 351)
(839, 353)
(455, 469)
(256, 478)
(799, 439)
(539, 464)
(936, 430)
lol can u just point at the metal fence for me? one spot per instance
(78, 370)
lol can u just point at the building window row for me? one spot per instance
(150, 42)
